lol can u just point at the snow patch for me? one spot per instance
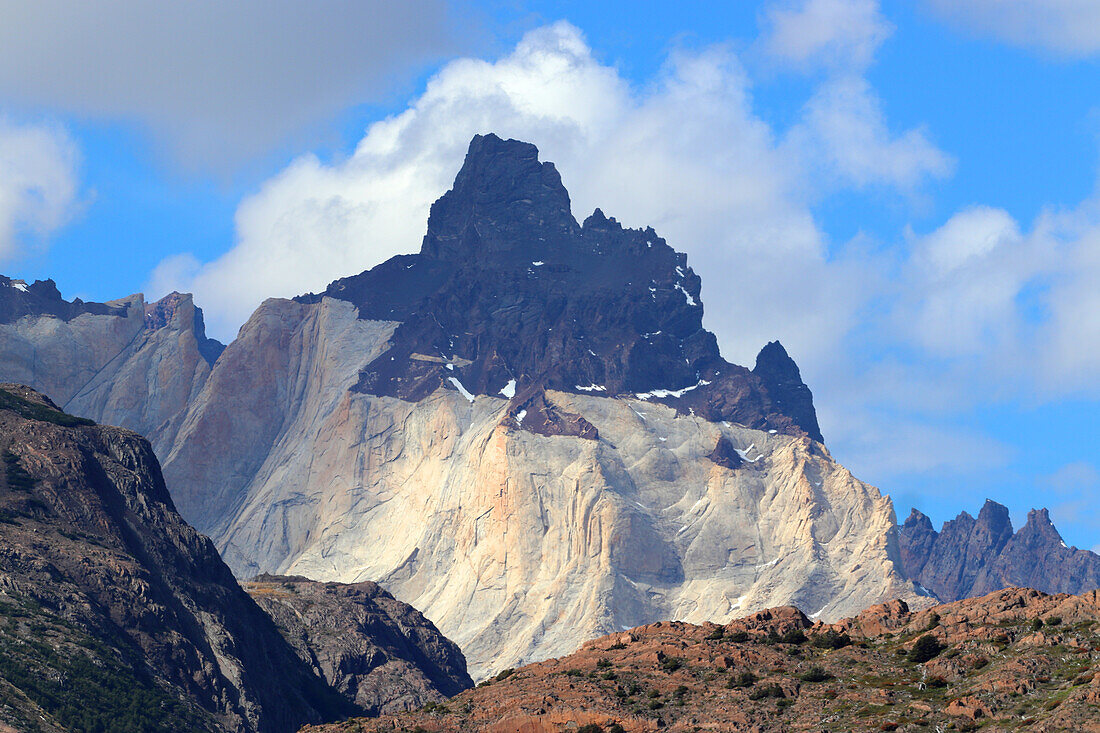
(451, 367)
(772, 432)
(461, 389)
(592, 388)
(519, 416)
(19, 285)
(509, 390)
(671, 392)
(768, 564)
(687, 295)
(679, 271)
(818, 612)
(745, 454)
(538, 263)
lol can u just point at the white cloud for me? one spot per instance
(808, 34)
(38, 183)
(1061, 27)
(219, 81)
(844, 131)
(687, 156)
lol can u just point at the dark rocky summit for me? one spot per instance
(971, 557)
(380, 653)
(114, 613)
(510, 295)
(18, 299)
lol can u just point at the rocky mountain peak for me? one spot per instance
(783, 381)
(179, 312)
(502, 199)
(969, 557)
(510, 297)
(19, 299)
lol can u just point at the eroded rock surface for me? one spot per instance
(1013, 660)
(971, 557)
(117, 614)
(378, 652)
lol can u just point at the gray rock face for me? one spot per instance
(380, 653)
(524, 431)
(123, 363)
(969, 558)
(139, 613)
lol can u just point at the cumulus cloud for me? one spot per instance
(38, 183)
(687, 155)
(844, 130)
(808, 34)
(219, 81)
(1060, 27)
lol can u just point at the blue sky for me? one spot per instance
(903, 192)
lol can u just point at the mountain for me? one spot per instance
(971, 557)
(381, 654)
(117, 614)
(523, 430)
(126, 362)
(1012, 660)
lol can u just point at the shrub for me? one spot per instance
(671, 664)
(765, 691)
(926, 648)
(832, 640)
(815, 674)
(656, 704)
(1054, 620)
(738, 637)
(936, 682)
(680, 691)
(745, 679)
(590, 728)
(603, 663)
(933, 622)
(717, 634)
(794, 636)
(979, 663)
(1036, 624)
(615, 728)
(504, 674)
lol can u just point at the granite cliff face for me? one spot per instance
(117, 614)
(524, 432)
(378, 652)
(124, 363)
(971, 557)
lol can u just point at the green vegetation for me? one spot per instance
(815, 674)
(832, 640)
(671, 664)
(41, 413)
(926, 648)
(766, 691)
(794, 636)
(745, 679)
(17, 477)
(82, 683)
(504, 674)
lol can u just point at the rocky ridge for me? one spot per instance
(115, 612)
(1013, 660)
(381, 654)
(971, 557)
(127, 362)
